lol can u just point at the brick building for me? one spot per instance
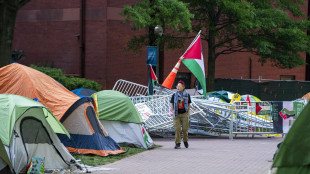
(88, 38)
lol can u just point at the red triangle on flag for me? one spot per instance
(258, 108)
(153, 74)
(195, 51)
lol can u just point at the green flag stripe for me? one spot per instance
(195, 68)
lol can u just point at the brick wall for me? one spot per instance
(47, 31)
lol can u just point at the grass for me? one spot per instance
(94, 160)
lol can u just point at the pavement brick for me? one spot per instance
(243, 155)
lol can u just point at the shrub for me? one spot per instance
(69, 82)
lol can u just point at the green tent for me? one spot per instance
(294, 153)
(114, 105)
(121, 120)
(28, 129)
(4, 156)
(223, 95)
(13, 106)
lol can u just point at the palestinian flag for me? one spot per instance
(145, 137)
(151, 79)
(193, 60)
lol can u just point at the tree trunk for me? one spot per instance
(211, 62)
(8, 12)
(211, 45)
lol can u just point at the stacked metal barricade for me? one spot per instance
(207, 117)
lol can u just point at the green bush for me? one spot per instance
(70, 83)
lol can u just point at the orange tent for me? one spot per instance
(77, 115)
(25, 81)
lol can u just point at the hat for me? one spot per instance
(181, 82)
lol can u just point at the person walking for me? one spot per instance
(180, 103)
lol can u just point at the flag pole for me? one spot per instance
(191, 44)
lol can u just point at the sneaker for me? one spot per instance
(186, 144)
(177, 146)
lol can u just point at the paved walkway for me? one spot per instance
(219, 155)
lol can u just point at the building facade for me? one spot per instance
(88, 39)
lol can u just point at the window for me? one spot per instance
(287, 77)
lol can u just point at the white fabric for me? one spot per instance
(19, 160)
(47, 151)
(230, 95)
(129, 133)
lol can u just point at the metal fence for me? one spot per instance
(156, 110)
(134, 89)
(246, 120)
(236, 118)
(130, 88)
(207, 116)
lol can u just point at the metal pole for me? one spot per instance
(231, 123)
(157, 60)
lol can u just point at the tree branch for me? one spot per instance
(22, 3)
(232, 50)
(225, 41)
(225, 24)
(187, 37)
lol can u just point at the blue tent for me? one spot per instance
(83, 92)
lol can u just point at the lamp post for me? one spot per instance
(158, 30)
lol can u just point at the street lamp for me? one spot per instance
(158, 30)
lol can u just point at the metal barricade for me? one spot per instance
(206, 116)
(130, 88)
(246, 120)
(134, 89)
(217, 115)
(154, 110)
(236, 118)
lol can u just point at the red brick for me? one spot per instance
(46, 31)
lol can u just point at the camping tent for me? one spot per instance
(87, 134)
(223, 95)
(120, 118)
(5, 163)
(25, 81)
(306, 96)
(251, 97)
(27, 129)
(294, 153)
(83, 92)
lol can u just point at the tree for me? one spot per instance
(8, 13)
(172, 15)
(271, 29)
